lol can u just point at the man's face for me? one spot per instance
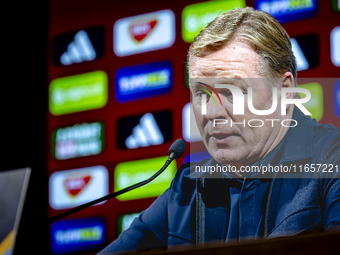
(235, 64)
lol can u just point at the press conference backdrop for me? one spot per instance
(118, 97)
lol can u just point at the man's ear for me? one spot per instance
(288, 82)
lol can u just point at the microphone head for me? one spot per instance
(177, 148)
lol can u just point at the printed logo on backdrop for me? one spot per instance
(288, 10)
(78, 46)
(139, 30)
(80, 140)
(190, 130)
(143, 33)
(335, 46)
(142, 81)
(129, 173)
(196, 17)
(306, 51)
(125, 220)
(76, 235)
(315, 104)
(336, 98)
(71, 188)
(78, 93)
(149, 129)
(336, 5)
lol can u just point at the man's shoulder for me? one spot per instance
(324, 132)
(311, 141)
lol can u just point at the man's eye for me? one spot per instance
(227, 93)
(201, 92)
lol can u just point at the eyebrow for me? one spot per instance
(211, 88)
(240, 82)
(221, 80)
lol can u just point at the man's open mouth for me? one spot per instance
(221, 136)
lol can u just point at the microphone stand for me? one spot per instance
(112, 195)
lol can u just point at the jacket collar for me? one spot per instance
(299, 139)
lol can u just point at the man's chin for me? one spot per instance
(227, 156)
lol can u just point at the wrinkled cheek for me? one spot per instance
(259, 135)
(197, 118)
(197, 114)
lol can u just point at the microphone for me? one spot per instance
(176, 150)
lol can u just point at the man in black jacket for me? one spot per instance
(292, 185)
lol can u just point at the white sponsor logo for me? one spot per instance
(301, 61)
(78, 141)
(335, 46)
(143, 33)
(146, 133)
(80, 50)
(190, 130)
(127, 219)
(71, 188)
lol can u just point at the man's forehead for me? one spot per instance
(236, 58)
(200, 67)
(205, 61)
